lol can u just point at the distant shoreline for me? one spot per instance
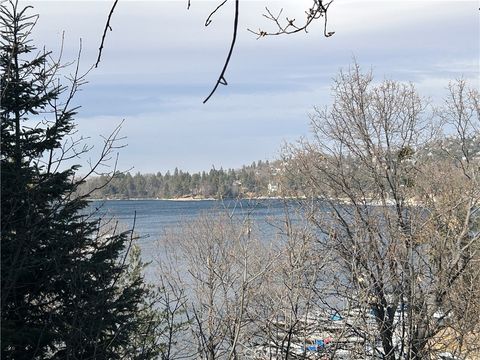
(151, 199)
(186, 199)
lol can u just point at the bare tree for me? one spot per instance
(287, 307)
(246, 296)
(217, 262)
(397, 206)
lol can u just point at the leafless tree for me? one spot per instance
(287, 307)
(247, 295)
(217, 262)
(397, 191)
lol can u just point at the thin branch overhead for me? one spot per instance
(107, 27)
(221, 79)
(316, 11)
(288, 26)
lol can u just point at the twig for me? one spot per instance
(107, 27)
(318, 10)
(221, 78)
(209, 21)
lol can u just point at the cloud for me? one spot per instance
(160, 62)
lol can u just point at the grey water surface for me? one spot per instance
(155, 217)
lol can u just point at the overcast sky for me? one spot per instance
(160, 62)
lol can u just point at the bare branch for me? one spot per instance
(221, 79)
(289, 25)
(107, 27)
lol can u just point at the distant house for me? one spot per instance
(272, 188)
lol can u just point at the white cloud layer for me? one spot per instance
(159, 63)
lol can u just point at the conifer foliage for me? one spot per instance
(65, 288)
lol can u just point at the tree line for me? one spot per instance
(249, 181)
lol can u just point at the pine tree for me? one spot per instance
(62, 296)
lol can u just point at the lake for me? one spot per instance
(154, 217)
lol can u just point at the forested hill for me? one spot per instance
(249, 181)
(261, 178)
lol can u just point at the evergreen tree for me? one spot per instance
(61, 291)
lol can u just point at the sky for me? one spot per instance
(160, 62)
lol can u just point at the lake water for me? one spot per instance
(154, 217)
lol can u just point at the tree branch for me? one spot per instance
(221, 78)
(107, 27)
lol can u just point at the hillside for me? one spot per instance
(249, 181)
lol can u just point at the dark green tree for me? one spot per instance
(62, 293)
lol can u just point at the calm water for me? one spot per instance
(154, 217)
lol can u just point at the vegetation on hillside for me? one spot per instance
(255, 180)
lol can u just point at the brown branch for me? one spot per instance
(318, 10)
(107, 27)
